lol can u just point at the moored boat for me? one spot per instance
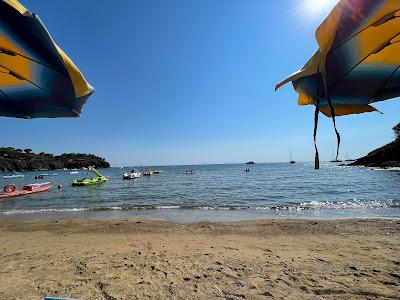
(132, 175)
(335, 159)
(148, 172)
(291, 161)
(13, 176)
(10, 190)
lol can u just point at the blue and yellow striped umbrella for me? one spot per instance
(358, 60)
(37, 79)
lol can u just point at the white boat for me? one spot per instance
(14, 176)
(73, 172)
(132, 175)
(47, 174)
(148, 172)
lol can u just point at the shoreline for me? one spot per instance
(135, 259)
(193, 216)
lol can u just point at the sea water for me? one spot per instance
(215, 193)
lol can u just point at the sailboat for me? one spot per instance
(334, 160)
(347, 157)
(291, 161)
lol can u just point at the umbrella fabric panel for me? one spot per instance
(31, 101)
(308, 88)
(39, 75)
(350, 18)
(8, 108)
(25, 35)
(391, 88)
(16, 5)
(361, 65)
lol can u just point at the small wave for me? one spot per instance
(44, 210)
(395, 203)
(385, 169)
(168, 207)
(312, 205)
(346, 205)
(122, 208)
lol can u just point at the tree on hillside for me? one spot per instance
(28, 151)
(396, 130)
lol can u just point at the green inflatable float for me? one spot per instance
(89, 181)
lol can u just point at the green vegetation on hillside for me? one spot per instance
(386, 156)
(12, 160)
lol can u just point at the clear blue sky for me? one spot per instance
(190, 81)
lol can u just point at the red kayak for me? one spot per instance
(10, 190)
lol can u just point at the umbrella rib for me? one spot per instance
(26, 115)
(46, 35)
(362, 30)
(23, 78)
(59, 100)
(385, 82)
(356, 65)
(31, 59)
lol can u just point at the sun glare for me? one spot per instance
(317, 5)
(317, 8)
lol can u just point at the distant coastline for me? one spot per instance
(16, 160)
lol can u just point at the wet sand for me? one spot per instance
(133, 259)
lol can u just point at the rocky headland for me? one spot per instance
(384, 157)
(15, 160)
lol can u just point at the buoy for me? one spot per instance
(59, 186)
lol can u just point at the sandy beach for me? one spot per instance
(139, 259)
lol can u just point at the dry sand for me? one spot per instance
(131, 259)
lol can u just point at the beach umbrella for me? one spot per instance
(37, 79)
(357, 63)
